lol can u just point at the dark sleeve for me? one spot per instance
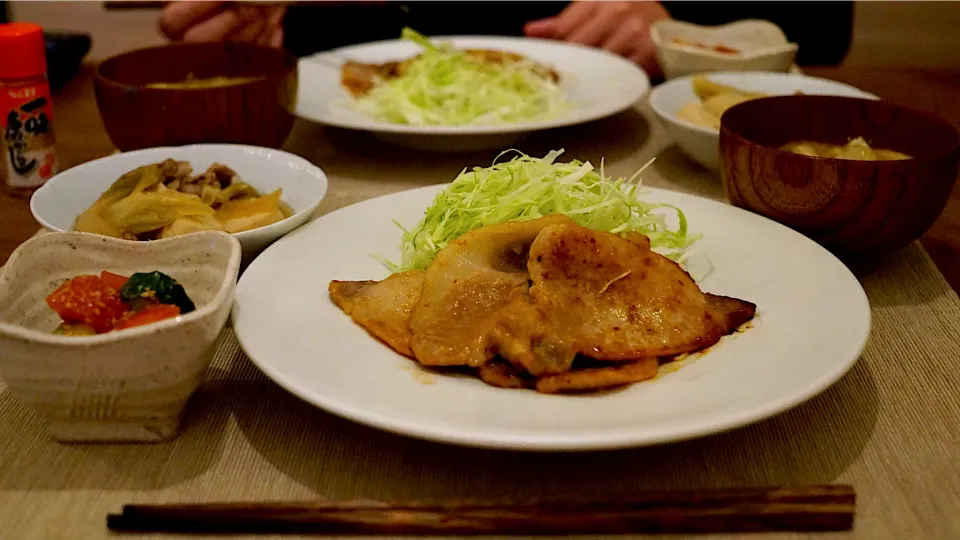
(312, 27)
(823, 30)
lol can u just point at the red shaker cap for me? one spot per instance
(23, 51)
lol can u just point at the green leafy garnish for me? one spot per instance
(449, 87)
(527, 188)
(158, 287)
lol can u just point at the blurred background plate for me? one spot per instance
(598, 84)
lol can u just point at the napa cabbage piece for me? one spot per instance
(445, 86)
(144, 212)
(93, 219)
(526, 188)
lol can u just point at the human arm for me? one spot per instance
(619, 27)
(224, 21)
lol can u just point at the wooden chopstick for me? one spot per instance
(810, 508)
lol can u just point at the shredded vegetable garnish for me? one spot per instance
(448, 87)
(527, 188)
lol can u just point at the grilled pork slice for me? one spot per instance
(465, 288)
(618, 300)
(521, 301)
(382, 307)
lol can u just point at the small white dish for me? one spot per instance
(812, 322)
(57, 204)
(702, 144)
(597, 83)
(127, 385)
(759, 45)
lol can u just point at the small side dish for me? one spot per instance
(166, 199)
(747, 45)
(119, 385)
(444, 86)
(89, 305)
(714, 100)
(691, 107)
(857, 149)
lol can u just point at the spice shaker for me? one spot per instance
(26, 109)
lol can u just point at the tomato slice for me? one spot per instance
(150, 314)
(114, 281)
(86, 300)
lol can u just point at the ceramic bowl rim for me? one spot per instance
(671, 117)
(928, 116)
(227, 282)
(272, 229)
(291, 63)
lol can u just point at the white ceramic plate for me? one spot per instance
(813, 321)
(597, 83)
(701, 143)
(57, 204)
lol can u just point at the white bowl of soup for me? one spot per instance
(690, 107)
(257, 194)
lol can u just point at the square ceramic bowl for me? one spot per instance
(129, 385)
(756, 45)
(57, 204)
(701, 143)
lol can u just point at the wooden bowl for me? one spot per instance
(258, 112)
(853, 208)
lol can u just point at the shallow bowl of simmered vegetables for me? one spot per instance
(107, 338)
(256, 194)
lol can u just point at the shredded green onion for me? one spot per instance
(446, 87)
(527, 188)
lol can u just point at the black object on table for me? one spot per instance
(65, 54)
(65, 51)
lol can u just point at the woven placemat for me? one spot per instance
(889, 428)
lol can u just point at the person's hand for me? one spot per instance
(224, 21)
(619, 27)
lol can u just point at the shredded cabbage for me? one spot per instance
(447, 87)
(527, 188)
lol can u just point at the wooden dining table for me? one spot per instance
(888, 427)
